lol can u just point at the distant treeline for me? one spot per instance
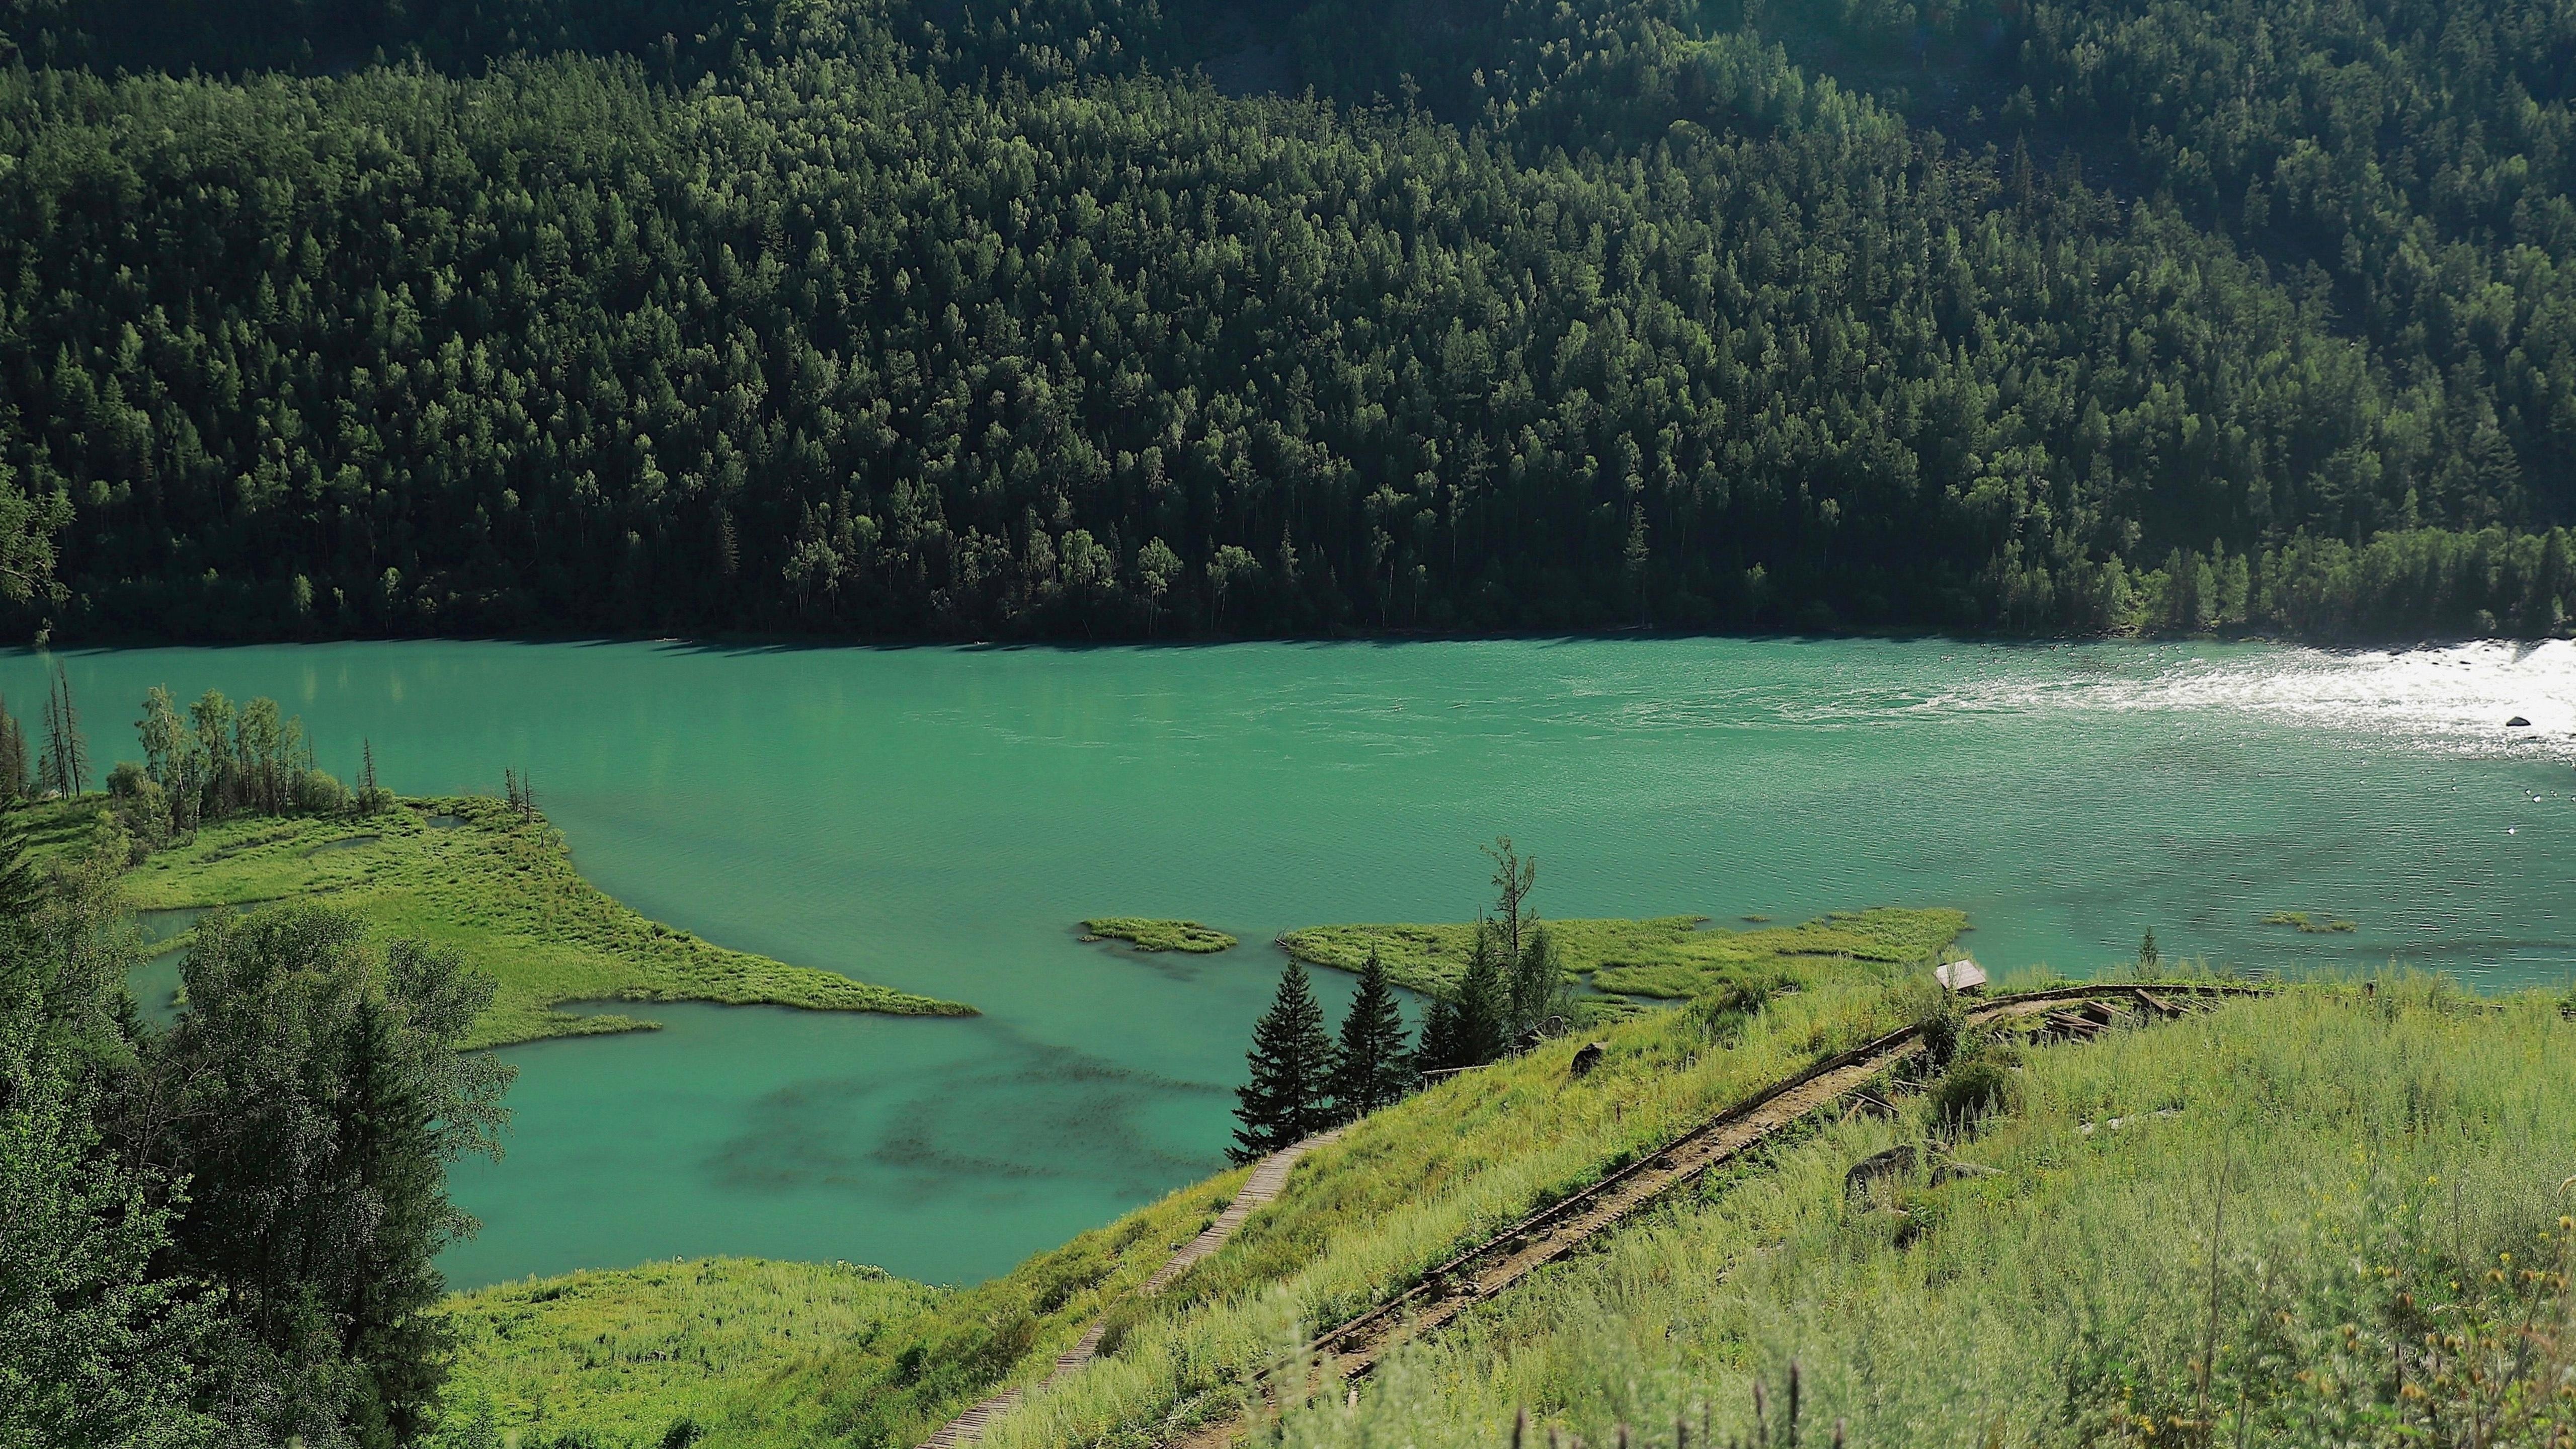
(954, 321)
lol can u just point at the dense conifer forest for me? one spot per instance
(977, 320)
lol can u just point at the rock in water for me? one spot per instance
(2517, 723)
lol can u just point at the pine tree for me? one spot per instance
(1371, 1068)
(1290, 1094)
(1535, 986)
(1440, 1047)
(1483, 1004)
(20, 889)
(13, 756)
(386, 1140)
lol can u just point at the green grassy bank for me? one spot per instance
(470, 874)
(2226, 1229)
(1665, 957)
(2322, 1217)
(1400, 1192)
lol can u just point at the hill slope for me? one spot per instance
(955, 321)
(2310, 1182)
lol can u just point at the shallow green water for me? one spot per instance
(937, 819)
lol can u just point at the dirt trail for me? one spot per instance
(1261, 1187)
(1357, 1345)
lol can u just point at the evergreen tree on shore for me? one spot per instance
(1484, 1004)
(1290, 1093)
(13, 756)
(1371, 1068)
(1440, 1049)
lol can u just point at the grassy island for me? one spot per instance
(1666, 957)
(497, 886)
(2308, 925)
(1147, 934)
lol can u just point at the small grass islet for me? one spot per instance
(2308, 925)
(1148, 934)
(1670, 958)
(496, 885)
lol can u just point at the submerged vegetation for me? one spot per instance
(1147, 934)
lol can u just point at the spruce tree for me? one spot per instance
(392, 1160)
(13, 756)
(1440, 1047)
(1536, 986)
(1484, 1003)
(1290, 1094)
(21, 890)
(1371, 1068)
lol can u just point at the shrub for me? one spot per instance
(1974, 1088)
(140, 809)
(317, 793)
(1944, 1028)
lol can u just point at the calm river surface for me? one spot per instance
(937, 819)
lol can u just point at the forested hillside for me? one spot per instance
(965, 320)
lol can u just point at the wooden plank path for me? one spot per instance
(1357, 1345)
(1268, 1177)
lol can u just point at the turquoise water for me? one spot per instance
(937, 819)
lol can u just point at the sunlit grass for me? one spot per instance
(1147, 934)
(2308, 1184)
(1672, 957)
(619, 1357)
(1403, 1190)
(470, 874)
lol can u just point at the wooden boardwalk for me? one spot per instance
(1355, 1346)
(1268, 1177)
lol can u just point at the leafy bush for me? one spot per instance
(1973, 1088)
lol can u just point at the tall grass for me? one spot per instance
(1408, 1187)
(622, 1357)
(2328, 1216)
